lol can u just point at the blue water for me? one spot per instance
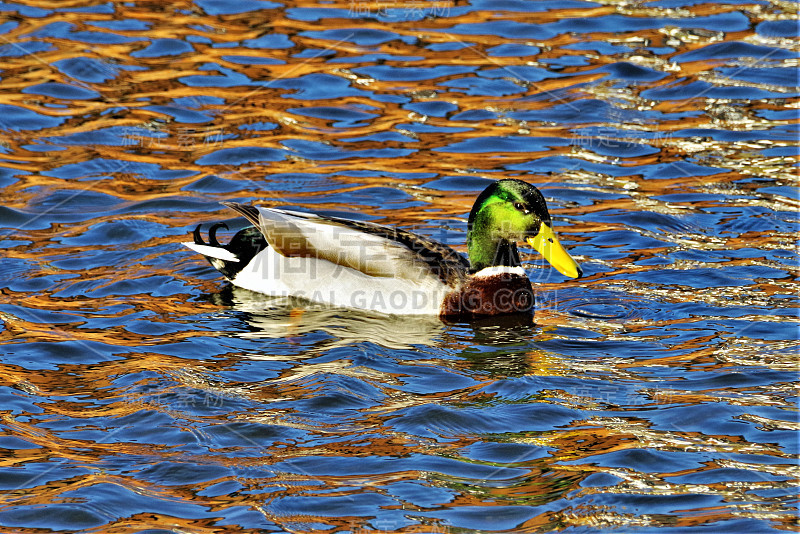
(142, 393)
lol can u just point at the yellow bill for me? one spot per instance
(546, 243)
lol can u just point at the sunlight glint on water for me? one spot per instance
(140, 391)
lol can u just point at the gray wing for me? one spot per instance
(370, 248)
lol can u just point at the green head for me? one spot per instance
(509, 211)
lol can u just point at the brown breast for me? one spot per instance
(498, 294)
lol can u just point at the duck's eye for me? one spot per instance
(520, 206)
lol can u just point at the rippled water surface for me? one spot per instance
(141, 393)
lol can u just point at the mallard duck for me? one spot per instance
(363, 265)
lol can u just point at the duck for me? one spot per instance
(370, 267)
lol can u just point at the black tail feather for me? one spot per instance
(212, 233)
(198, 239)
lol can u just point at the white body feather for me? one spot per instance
(330, 263)
(212, 252)
(323, 281)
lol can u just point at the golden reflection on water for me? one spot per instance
(171, 386)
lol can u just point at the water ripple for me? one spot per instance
(140, 392)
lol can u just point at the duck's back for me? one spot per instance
(349, 263)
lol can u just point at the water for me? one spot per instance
(141, 393)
